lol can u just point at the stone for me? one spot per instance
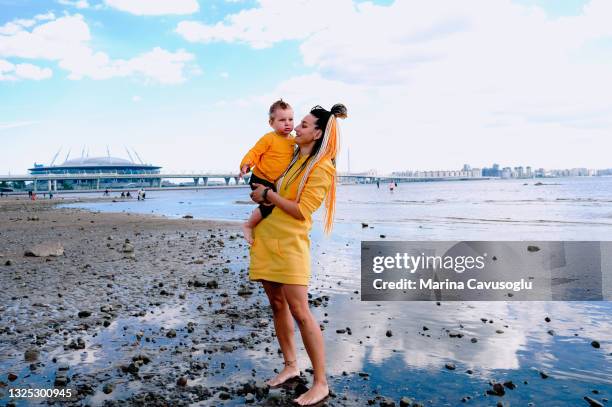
(533, 248)
(84, 314)
(249, 398)
(12, 377)
(188, 217)
(498, 390)
(450, 366)
(182, 381)
(595, 344)
(171, 333)
(128, 248)
(389, 333)
(405, 402)
(31, 355)
(45, 249)
(592, 402)
(8, 262)
(107, 388)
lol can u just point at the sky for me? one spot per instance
(187, 83)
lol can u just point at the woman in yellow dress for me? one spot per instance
(280, 254)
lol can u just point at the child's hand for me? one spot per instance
(245, 168)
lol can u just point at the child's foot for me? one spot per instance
(317, 393)
(289, 372)
(247, 231)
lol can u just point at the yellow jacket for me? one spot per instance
(270, 156)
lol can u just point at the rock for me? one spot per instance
(11, 377)
(533, 248)
(389, 333)
(547, 319)
(543, 375)
(383, 236)
(474, 340)
(224, 395)
(127, 248)
(387, 402)
(8, 262)
(244, 292)
(78, 344)
(341, 331)
(453, 334)
(84, 314)
(182, 381)
(508, 384)
(31, 355)
(108, 388)
(499, 331)
(45, 249)
(592, 402)
(61, 380)
(171, 333)
(405, 402)
(249, 398)
(595, 344)
(212, 284)
(188, 217)
(364, 225)
(450, 366)
(498, 390)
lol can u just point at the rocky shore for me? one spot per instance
(128, 309)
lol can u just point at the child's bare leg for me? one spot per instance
(248, 226)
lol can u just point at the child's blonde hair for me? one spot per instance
(279, 104)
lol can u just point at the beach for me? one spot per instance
(145, 309)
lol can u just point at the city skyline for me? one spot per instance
(188, 83)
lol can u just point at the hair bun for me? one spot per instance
(339, 110)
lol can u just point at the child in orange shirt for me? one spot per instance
(270, 156)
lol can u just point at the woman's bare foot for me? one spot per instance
(290, 371)
(247, 231)
(317, 393)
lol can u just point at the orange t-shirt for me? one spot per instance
(270, 156)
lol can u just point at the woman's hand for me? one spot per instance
(257, 194)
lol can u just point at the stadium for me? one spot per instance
(99, 165)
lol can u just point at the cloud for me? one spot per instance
(155, 7)
(435, 76)
(66, 40)
(80, 4)
(13, 125)
(12, 72)
(136, 99)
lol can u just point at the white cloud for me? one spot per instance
(67, 41)
(80, 4)
(13, 125)
(490, 81)
(12, 72)
(136, 98)
(224, 75)
(155, 7)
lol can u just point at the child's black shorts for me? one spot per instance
(265, 209)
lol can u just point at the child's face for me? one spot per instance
(282, 121)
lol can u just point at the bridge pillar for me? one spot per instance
(49, 186)
(236, 179)
(55, 185)
(35, 185)
(227, 180)
(160, 182)
(196, 181)
(247, 179)
(205, 181)
(97, 183)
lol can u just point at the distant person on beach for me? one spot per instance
(391, 186)
(106, 192)
(268, 159)
(378, 184)
(122, 194)
(280, 253)
(128, 195)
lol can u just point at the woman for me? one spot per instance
(280, 254)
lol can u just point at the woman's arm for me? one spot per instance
(290, 207)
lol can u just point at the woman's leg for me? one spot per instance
(285, 333)
(297, 298)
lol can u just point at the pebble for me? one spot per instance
(450, 366)
(592, 402)
(389, 333)
(107, 388)
(182, 381)
(31, 355)
(595, 344)
(171, 333)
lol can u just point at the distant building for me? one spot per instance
(100, 165)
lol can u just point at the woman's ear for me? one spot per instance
(318, 133)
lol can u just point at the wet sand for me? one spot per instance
(147, 310)
(98, 318)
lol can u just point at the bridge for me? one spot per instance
(155, 180)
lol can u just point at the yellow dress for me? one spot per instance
(281, 247)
